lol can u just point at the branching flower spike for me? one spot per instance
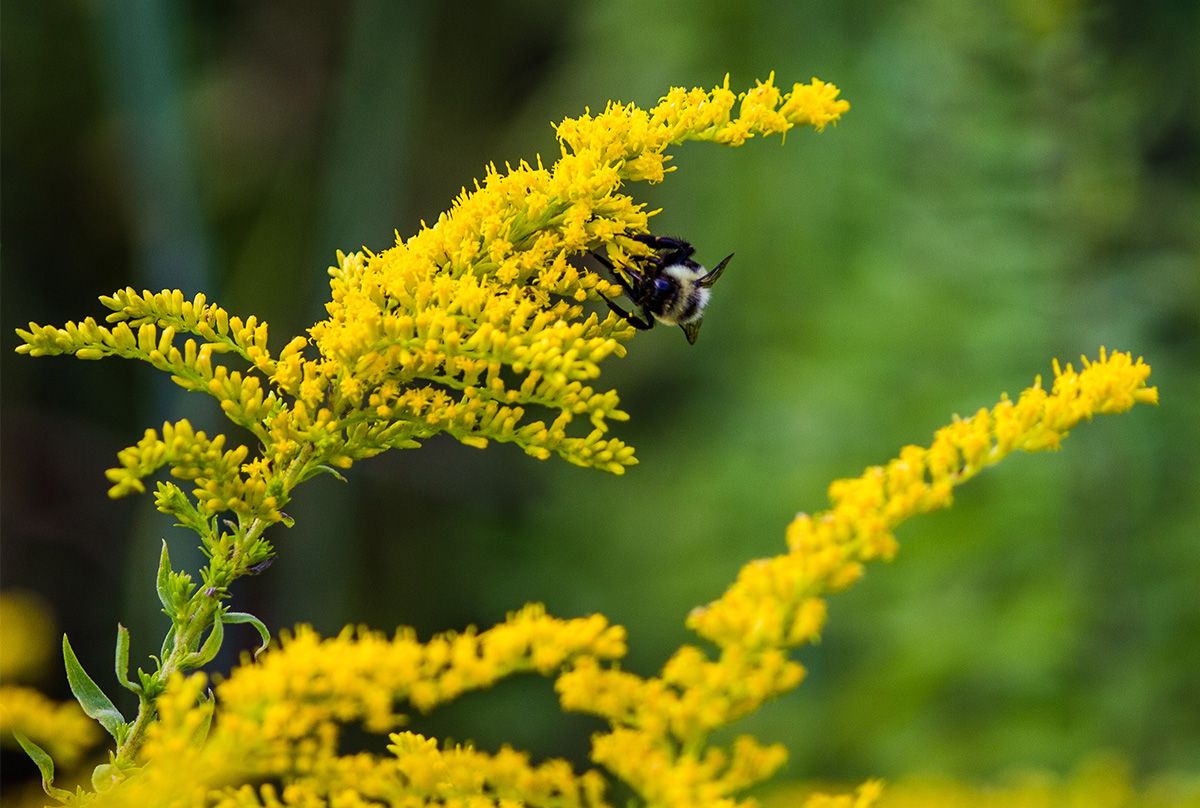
(470, 327)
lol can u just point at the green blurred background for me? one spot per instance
(1016, 181)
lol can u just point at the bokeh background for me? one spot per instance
(1016, 181)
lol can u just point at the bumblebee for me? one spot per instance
(667, 286)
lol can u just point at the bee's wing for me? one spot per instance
(691, 330)
(711, 278)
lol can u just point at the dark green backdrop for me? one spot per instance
(1015, 181)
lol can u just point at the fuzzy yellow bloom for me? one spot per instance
(61, 728)
(26, 645)
(26, 630)
(864, 796)
(281, 717)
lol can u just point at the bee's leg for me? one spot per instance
(603, 261)
(620, 276)
(629, 317)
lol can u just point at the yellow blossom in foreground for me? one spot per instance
(60, 728)
(279, 719)
(26, 636)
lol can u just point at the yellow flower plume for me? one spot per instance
(60, 727)
(280, 717)
(778, 603)
(478, 326)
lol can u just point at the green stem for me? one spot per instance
(198, 617)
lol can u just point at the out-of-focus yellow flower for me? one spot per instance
(865, 796)
(281, 717)
(60, 728)
(26, 636)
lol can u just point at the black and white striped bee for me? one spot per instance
(667, 286)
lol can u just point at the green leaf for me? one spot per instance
(211, 646)
(166, 646)
(208, 704)
(163, 583)
(313, 471)
(147, 683)
(234, 618)
(122, 661)
(45, 765)
(89, 695)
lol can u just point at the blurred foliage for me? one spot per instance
(1014, 182)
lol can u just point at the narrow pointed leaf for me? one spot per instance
(246, 617)
(208, 704)
(45, 765)
(122, 660)
(166, 646)
(89, 695)
(163, 582)
(313, 471)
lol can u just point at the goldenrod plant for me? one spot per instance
(489, 324)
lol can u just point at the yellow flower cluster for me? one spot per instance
(774, 601)
(279, 718)
(26, 632)
(60, 728)
(865, 796)
(474, 319)
(474, 327)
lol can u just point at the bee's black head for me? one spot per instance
(660, 292)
